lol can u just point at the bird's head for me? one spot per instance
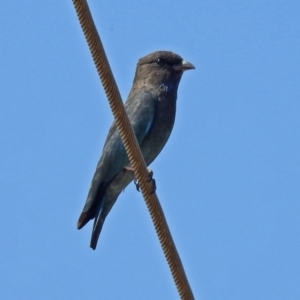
(161, 67)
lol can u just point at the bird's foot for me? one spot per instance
(150, 172)
(137, 186)
(153, 181)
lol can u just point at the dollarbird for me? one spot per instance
(151, 108)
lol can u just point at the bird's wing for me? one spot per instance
(140, 108)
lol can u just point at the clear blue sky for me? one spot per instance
(228, 179)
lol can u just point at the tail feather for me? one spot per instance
(83, 219)
(98, 224)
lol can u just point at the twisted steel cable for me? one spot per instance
(132, 148)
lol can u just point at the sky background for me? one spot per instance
(228, 179)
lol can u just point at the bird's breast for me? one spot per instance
(167, 90)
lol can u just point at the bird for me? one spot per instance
(151, 109)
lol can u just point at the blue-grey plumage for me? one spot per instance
(151, 108)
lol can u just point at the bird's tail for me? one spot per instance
(83, 219)
(98, 224)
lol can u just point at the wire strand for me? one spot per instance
(132, 148)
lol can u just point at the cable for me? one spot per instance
(132, 148)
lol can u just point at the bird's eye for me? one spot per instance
(159, 62)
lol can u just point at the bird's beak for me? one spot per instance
(184, 66)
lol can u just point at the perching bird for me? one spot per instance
(151, 107)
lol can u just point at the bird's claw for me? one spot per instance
(150, 179)
(153, 186)
(135, 181)
(150, 173)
